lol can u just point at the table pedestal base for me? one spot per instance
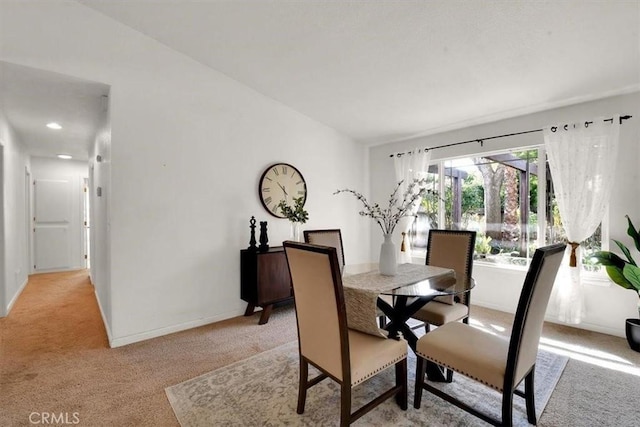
(398, 314)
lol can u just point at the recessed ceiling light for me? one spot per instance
(64, 156)
(54, 125)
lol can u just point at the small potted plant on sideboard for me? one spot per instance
(625, 273)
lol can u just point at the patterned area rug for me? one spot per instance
(262, 390)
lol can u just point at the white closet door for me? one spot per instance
(52, 221)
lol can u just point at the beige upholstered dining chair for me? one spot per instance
(347, 356)
(451, 249)
(329, 237)
(490, 359)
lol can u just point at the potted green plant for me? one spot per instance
(296, 215)
(482, 247)
(625, 273)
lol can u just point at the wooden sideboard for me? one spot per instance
(264, 280)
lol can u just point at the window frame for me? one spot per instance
(597, 278)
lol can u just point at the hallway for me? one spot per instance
(56, 313)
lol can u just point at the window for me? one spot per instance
(507, 197)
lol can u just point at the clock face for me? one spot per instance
(281, 181)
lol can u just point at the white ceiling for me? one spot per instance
(375, 70)
(381, 70)
(32, 98)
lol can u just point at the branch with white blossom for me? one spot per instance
(387, 219)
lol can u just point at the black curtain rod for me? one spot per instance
(481, 140)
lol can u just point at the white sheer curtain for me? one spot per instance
(582, 159)
(409, 166)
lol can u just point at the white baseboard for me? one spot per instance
(130, 339)
(491, 306)
(15, 297)
(552, 319)
(104, 318)
(590, 327)
(58, 270)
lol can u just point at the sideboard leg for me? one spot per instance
(266, 312)
(249, 310)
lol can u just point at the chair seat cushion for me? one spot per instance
(446, 299)
(468, 350)
(370, 355)
(437, 313)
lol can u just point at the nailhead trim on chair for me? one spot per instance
(441, 363)
(382, 368)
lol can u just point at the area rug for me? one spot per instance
(262, 391)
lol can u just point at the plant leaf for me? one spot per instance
(616, 275)
(625, 251)
(631, 231)
(609, 258)
(632, 274)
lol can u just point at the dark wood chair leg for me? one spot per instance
(507, 408)
(449, 375)
(421, 368)
(345, 405)
(529, 393)
(401, 381)
(302, 386)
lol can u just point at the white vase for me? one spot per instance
(295, 231)
(388, 265)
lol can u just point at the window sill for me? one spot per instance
(493, 265)
(592, 279)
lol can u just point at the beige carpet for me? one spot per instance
(54, 357)
(262, 390)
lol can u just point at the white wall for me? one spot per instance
(3, 281)
(14, 265)
(75, 172)
(607, 305)
(100, 180)
(188, 146)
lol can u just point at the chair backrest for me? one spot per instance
(330, 237)
(529, 317)
(453, 249)
(320, 308)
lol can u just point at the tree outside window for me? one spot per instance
(497, 196)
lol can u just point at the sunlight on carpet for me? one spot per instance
(592, 356)
(262, 390)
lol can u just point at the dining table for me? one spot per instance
(413, 286)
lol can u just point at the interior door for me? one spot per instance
(28, 224)
(52, 222)
(86, 236)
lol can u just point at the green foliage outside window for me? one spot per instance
(472, 195)
(507, 231)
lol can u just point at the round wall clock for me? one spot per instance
(281, 181)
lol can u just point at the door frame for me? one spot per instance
(86, 222)
(28, 184)
(3, 276)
